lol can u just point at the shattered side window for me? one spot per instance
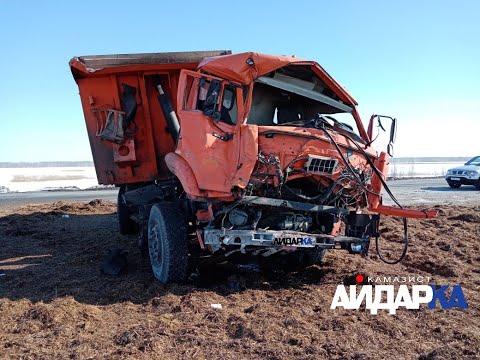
(196, 93)
(212, 98)
(190, 100)
(228, 111)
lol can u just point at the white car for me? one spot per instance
(469, 174)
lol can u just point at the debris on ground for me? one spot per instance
(115, 263)
(55, 303)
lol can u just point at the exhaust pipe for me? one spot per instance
(169, 113)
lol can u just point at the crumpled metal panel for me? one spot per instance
(246, 67)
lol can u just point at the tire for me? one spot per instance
(167, 243)
(477, 185)
(125, 224)
(454, 185)
(316, 256)
(298, 260)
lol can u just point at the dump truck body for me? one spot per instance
(139, 156)
(246, 148)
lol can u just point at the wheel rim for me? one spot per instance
(155, 245)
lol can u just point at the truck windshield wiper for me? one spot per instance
(296, 123)
(321, 121)
(316, 122)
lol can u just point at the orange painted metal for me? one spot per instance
(100, 80)
(151, 142)
(374, 198)
(180, 168)
(184, 172)
(205, 215)
(407, 213)
(236, 68)
(215, 160)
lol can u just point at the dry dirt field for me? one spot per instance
(55, 304)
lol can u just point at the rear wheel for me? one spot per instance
(167, 243)
(454, 185)
(125, 223)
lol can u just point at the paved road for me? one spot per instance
(408, 192)
(431, 191)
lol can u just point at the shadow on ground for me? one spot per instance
(46, 255)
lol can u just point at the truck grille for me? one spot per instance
(317, 164)
(457, 172)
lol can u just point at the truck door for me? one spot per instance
(209, 111)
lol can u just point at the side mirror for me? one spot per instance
(370, 128)
(393, 130)
(390, 149)
(393, 137)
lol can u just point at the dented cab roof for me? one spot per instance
(245, 68)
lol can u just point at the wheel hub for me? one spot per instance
(155, 246)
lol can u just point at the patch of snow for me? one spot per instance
(47, 178)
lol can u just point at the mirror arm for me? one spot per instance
(393, 131)
(370, 128)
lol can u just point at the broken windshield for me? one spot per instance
(275, 107)
(294, 96)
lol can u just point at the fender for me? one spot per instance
(180, 168)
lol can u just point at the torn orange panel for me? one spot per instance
(406, 213)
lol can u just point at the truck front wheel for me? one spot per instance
(315, 256)
(167, 243)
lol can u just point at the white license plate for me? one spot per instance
(455, 179)
(297, 240)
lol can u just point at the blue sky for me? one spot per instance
(416, 60)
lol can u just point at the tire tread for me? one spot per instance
(173, 232)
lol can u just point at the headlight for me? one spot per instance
(449, 172)
(472, 173)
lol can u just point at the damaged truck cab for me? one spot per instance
(234, 153)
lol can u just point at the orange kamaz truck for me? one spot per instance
(235, 153)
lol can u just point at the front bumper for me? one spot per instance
(462, 180)
(280, 239)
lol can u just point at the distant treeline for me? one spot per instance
(46, 164)
(413, 160)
